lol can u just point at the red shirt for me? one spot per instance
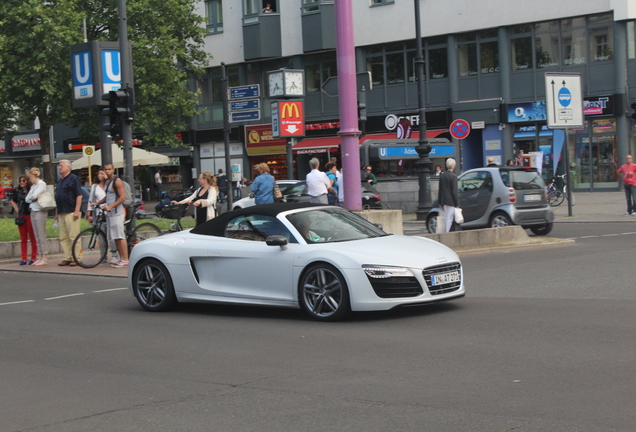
(630, 173)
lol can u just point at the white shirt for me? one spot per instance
(340, 178)
(317, 183)
(157, 178)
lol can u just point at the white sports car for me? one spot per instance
(323, 259)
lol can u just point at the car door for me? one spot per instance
(475, 192)
(246, 267)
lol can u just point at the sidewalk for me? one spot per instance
(608, 207)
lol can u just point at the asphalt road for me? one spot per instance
(544, 341)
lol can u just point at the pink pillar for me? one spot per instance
(348, 105)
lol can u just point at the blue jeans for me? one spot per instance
(630, 196)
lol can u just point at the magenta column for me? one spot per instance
(348, 105)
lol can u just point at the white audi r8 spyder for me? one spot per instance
(323, 259)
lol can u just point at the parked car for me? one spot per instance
(296, 191)
(501, 196)
(323, 259)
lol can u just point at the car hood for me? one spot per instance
(408, 251)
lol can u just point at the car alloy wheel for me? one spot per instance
(153, 287)
(431, 222)
(323, 293)
(500, 220)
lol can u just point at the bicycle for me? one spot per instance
(91, 245)
(174, 211)
(556, 195)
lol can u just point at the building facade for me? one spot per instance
(486, 68)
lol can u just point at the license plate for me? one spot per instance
(445, 278)
(534, 197)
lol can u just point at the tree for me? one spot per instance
(35, 74)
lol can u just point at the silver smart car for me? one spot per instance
(501, 196)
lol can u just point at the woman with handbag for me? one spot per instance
(263, 185)
(23, 220)
(204, 198)
(38, 215)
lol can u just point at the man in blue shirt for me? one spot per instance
(68, 197)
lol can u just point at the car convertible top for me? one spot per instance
(216, 227)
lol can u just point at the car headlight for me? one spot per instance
(382, 272)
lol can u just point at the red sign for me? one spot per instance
(260, 141)
(459, 129)
(291, 117)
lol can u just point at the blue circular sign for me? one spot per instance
(565, 97)
(459, 129)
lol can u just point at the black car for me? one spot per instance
(298, 193)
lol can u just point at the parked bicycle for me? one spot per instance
(91, 245)
(557, 191)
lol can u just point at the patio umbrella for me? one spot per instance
(140, 157)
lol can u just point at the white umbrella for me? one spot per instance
(140, 157)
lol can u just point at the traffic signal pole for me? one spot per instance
(126, 83)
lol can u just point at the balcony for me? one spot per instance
(261, 36)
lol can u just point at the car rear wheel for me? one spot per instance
(431, 222)
(153, 287)
(500, 220)
(541, 229)
(323, 293)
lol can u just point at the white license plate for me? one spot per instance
(445, 278)
(534, 197)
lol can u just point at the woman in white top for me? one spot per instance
(204, 198)
(38, 216)
(98, 191)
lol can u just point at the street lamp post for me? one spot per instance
(423, 148)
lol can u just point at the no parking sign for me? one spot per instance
(459, 129)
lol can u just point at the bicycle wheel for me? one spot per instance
(142, 232)
(90, 247)
(558, 198)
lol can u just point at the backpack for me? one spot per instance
(221, 183)
(128, 201)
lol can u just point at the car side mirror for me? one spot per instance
(276, 240)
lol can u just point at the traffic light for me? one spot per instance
(120, 109)
(362, 111)
(634, 113)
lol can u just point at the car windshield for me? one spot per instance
(333, 225)
(522, 179)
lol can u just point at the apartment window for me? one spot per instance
(601, 36)
(310, 6)
(467, 47)
(573, 41)
(395, 66)
(631, 40)
(488, 52)
(318, 68)
(521, 47)
(381, 2)
(203, 85)
(255, 7)
(546, 39)
(214, 14)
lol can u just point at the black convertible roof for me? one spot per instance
(216, 226)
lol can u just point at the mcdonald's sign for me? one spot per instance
(288, 118)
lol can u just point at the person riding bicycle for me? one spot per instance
(114, 199)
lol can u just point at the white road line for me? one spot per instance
(64, 296)
(111, 289)
(611, 235)
(17, 302)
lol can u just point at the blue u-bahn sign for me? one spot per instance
(95, 69)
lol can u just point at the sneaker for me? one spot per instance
(114, 260)
(627, 213)
(30, 262)
(23, 263)
(120, 264)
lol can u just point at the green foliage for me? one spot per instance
(35, 77)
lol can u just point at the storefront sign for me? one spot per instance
(599, 105)
(260, 141)
(410, 153)
(6, 177)
(288, 119)
(22, 143)
(527, 112)
(604, 125)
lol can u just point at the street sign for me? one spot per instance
(363, 84)
(88, 150)
(240, 116)
(247, 104)
(288, 119)
(564, 100)
(459, 129)
(245, 92)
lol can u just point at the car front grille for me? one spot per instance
(396, 287)
(438, 270)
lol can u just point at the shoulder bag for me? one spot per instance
(46, 201)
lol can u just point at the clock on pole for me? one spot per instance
(286, 83)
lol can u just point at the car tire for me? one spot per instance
(500, 220)
(323, 293)
(153, 286)
(541, 229)
(431, 222)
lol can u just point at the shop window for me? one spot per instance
(467, 54)
(214, 15)
(547, 44)
(376, 66)
(601, 43)
(489, 57)
(318, 68)
(438, 60)
(478, 53)
(631, 40)
(573, 41)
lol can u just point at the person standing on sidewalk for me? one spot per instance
(38, 216)
(21, 208)
(114, 199)
(68, 196)
(448, 195)
(628, 174)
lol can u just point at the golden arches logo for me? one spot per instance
(290, 110)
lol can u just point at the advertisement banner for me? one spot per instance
(260, 141)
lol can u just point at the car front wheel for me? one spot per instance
(500, 220)
(431, 222)
(323, 293)
(153, 287)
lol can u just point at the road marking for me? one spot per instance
(611, 235)
(64, 296)
(111, 289)
(17, 302)
(584, 237)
